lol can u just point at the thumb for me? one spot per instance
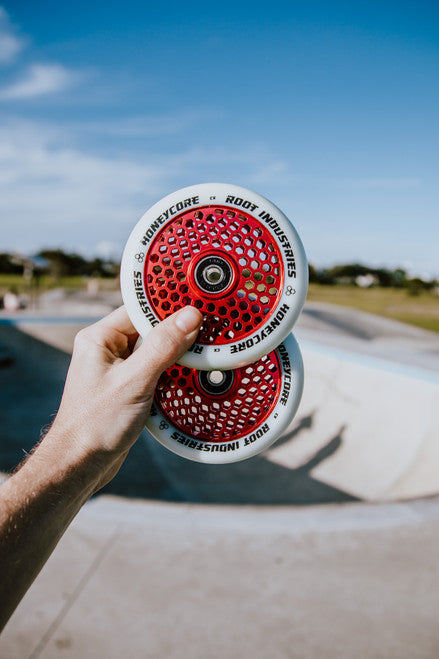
(166, 343)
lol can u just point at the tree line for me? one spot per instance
(58, 263)
(356, 274)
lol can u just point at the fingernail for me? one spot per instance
(188, 319)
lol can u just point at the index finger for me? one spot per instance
(115, 332)
(116, 320)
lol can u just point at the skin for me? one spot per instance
(105, 404)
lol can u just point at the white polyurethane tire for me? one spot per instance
(276, 325)
(261, 437)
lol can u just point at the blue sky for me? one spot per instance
(329, 109)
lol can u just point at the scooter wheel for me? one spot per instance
(226, 416)
(230, 253)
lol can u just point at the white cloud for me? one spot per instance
(51, 195)
(54, 194)
(39, 80)
(10, 44)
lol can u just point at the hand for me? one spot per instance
(109, 389)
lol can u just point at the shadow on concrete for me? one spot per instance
(151, 471)
(30, 391)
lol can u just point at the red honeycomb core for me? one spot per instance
(220, 418)
(236, 237)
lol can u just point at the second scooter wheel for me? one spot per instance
(226, 416)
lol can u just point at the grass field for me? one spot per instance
(421, 310)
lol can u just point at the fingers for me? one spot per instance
(114, 333)
(165, 344)
(117, 320)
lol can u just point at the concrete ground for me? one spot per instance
(189, 581)
(258, 559)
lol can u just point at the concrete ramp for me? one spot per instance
(385, 416)
(367, 427)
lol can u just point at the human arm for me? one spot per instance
(105, 404)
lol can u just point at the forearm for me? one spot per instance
(105, 404)
(37, 504)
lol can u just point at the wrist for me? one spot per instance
(62, 463)
(78, 458)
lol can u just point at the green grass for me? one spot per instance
(420, 310)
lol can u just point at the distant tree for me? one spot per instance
(349, 271)
(325, 277)
(60, 263)
(8, 266)
(313, 276)
(63, 264)
(415, 286)
(399, 278)
(385, 277)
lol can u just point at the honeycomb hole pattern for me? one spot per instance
(211, 418)
(241, 238)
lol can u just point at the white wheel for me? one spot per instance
(227, 251)
(227, 416)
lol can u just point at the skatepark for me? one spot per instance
(325, 545)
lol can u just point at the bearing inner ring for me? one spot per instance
(213, 274)
(216, 383)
